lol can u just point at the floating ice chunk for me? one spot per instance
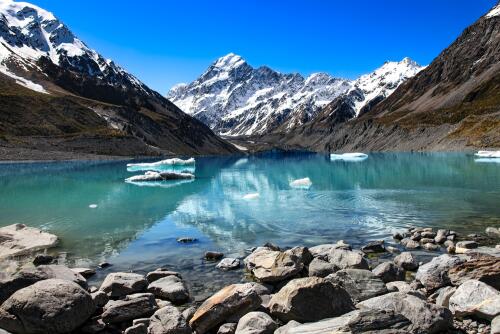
(163, 176)
(304, 183)
(93, 206)
(349, 156)
(488, 154)
(251, 196)
(173, 161)
(159, 184)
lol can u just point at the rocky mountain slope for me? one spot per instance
(453, 104)
(59, 95)
(234, 98)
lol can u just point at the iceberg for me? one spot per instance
(251, 196)
(348, 156)
(159, 184)
(160, 176)
(93, 206)
(304, 183)
(488, 154)
(174, 164)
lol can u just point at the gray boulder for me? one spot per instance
(228, 328)
(475, 298)
(168, 320)
(122, 284)
(346, 259)
(229, 263)
(325, 249)
(359, 283)
(100, 298)
(493, 231)
(285, 329)
(444, 294)
(293, 301)
(136, 329)
(20, 240)
(407, 261)
(273, 266)
(495, 325)
(256, 323)
(49, 306)
(480, 267)
(232, 301)
(321, 268)
(189, 312)
(434, 274)
(132, 307)
(376, 246)
(410, 244)
(425, 317)
(389, 272)
(160, 273)
(398, 286)
(170, 288)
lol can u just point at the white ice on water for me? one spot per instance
(304, 183)
(155, 176)
(93, 206)
(349, 156)
(488, 154)
(169, 162)
(251, 196)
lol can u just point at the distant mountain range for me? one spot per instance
(58, 94)
(233, 98)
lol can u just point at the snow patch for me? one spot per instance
(494, 12)
(22, 81)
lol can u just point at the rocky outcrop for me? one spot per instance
(292, 302)
(49, 306)
(19, 239)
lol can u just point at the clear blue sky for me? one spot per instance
(166, 42)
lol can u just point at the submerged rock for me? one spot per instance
(359, 283)
(475, 298)
(232, 301)
(213, 256)
(19, 240)
(49, 306)
(122, 284)
(256, 323)
(293, 301)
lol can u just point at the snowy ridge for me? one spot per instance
(28, 33)
(495, 11)
(233, 98)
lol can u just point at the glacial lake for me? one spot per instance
(135, 227)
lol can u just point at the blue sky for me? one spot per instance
(166, 42)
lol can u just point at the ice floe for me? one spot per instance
(93, 206)
(168, 164)
(488, 154)
(159, 184)
(304, 183)
(251, 196)
(159, 176)
(349, 156)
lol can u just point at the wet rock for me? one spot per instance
(48, 306)
(493, 231)
(397, 236)
(85, 272)
(213, 256)
(462, 247)
(359, 283)
(100, 298)
(262, 289)
(132, 307)
(434, 274)
(232, 301)
(321, 268)
(450, 249)
(271, 246)
(122, 284)
(392, 249)
(171, 288)
(229, 328)
(398, 286)
(325, 249)
(186, 240)
(273, 266)
(389, 272)
(410, 244)
(441, 236)
(427, 240)
(103, 265)
(358, 321)
(448, 243)
(229, 263)
(416, 236)
(444, 294)
(168, 320)
(256, 323)
(475, 298)
(484, 268)
(136, 329)
(160, 273)
(430, 247)
(289, 325)
(425, 317)
(19, 239)
(407, 261)
(43, 259)
(376, 246)
(293, 301)
(428, 234)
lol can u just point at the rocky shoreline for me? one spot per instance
(328, 288)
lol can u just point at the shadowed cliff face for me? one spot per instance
(453, 104)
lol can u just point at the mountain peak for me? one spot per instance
(229, 61)
(495, 11)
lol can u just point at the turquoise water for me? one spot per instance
(136, 227)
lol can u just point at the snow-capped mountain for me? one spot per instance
(84, 94)
(233, 98)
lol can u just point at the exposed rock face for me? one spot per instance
(475, 298)
(168, 320)
(434, 274)
(132, 307)
(49, 306)
(424, 316)
(231, 302)
(171, 288)
(273, 266)
(358, 321)
(359, 283)
(19, 239)
(389, 272)
(122, 284)
(292, 302)
(256, 323)
(480, 267)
